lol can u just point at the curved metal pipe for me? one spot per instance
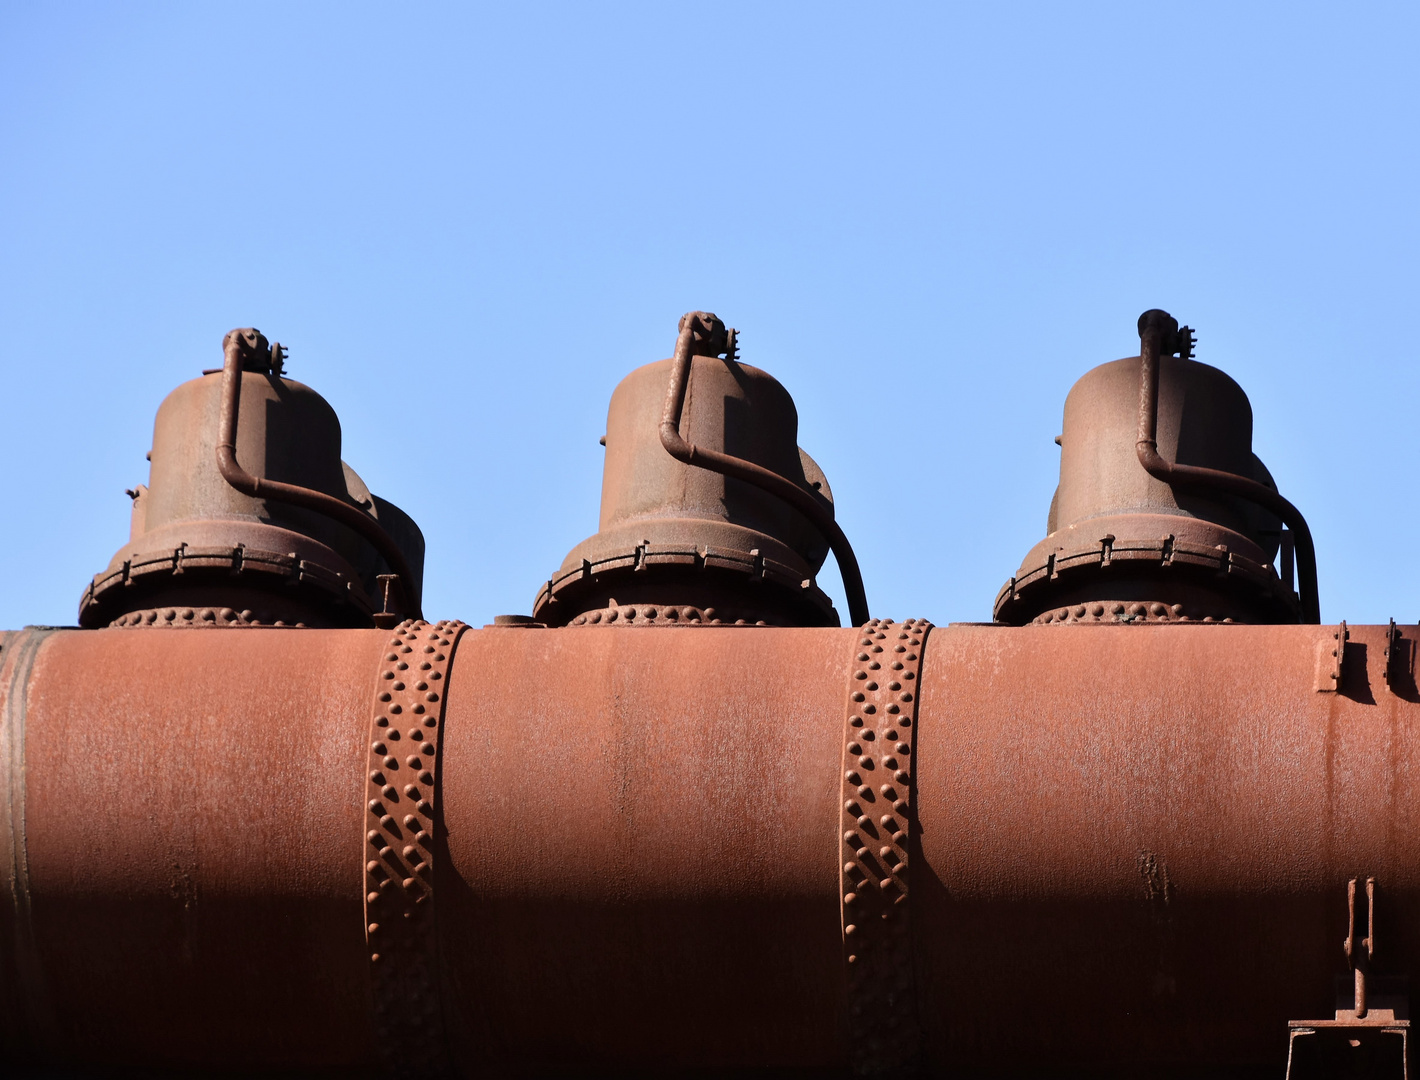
(328, 505)
(1153, 325)
(766, 480)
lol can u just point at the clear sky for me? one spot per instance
(469, 222)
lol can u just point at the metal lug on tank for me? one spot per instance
(1163, 512)
(249, 516)
(710, 514)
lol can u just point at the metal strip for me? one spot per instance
(877, 822)
(32, 1021)
(401, 802)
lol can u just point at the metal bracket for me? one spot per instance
(1397, 657)
(1331, 660)
(880, 739)
(1361, 1040)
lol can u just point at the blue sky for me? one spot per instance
(468, 223)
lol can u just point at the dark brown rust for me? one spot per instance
(879, 737)
(699, 328)
(649, 825)
(1123, 544)
(238, 348)
(1159, 335)
(677, 536)
(401, 812)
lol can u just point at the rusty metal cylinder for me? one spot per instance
(1128, 845)
(676, 536)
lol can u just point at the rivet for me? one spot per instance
(392, 764)
(426, 777)
(857, 695)
(410, 821)
(864, 820)
(850, 836)
(411, 791)
(864, 789)
(900, 806)
(372, 865)
(375, 807)
(374, 927)
(385, 696)
(889, 763)
(850, 929)
(894, 709)
(870, 709)
(377, 778)
(431, 696)
(409, 851)
(852, 777)
(860, 674)
(429, 721)
(855, 749)
(390, 793)
(375, 838)
(856, 721)
(890, 734)
(382, 721)
(903, 749)
(887, 791)
(372, 897)
(413, 762)
(387, 822)
(852, 807)
(900, 776)
(887, 821)
(421, 837)
(884, 852)
(849, 867)
(421, 686)
(409, 883)
(396, 708)
(850, 898)
(423, 807)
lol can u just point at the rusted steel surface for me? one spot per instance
(1160, 336)
(400, 817)
(192, 803)
(676, 534)
(1138, 837)
(1155, 452)
(643, 869)
(199, 542)
(701, 332)
(879, 735)
(247, 348)
(1132, 845)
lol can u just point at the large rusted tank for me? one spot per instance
(1143, 837)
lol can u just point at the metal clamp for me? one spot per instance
(876, 825)
(402, 794)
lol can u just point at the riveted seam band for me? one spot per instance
(877, 820)
(401, 800)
